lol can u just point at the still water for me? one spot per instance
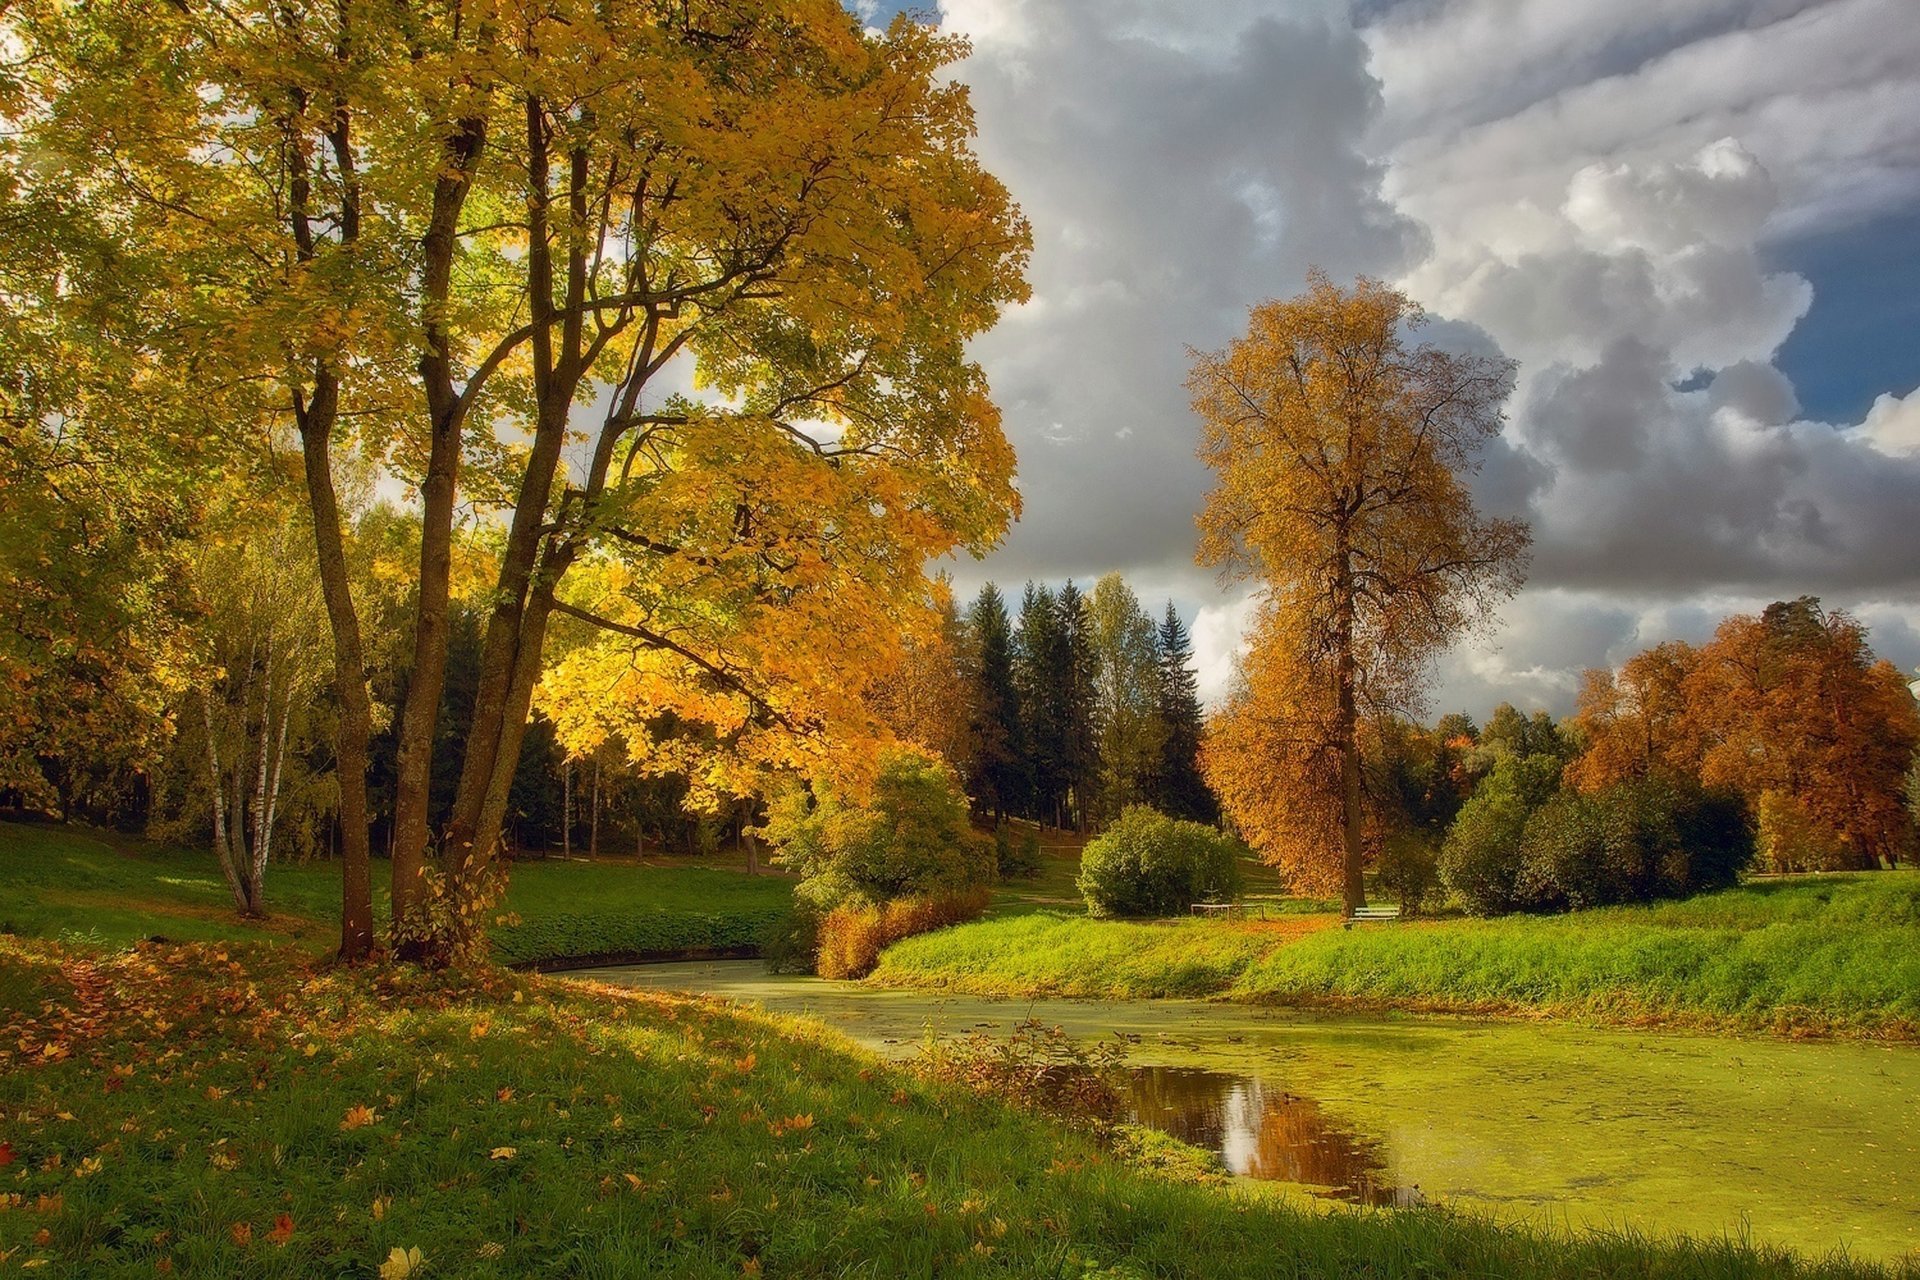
(1810, 1145)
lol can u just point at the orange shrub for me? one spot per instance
(852, 937)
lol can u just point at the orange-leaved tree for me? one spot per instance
(1796, 713)
(1636, 721)
(1341, 452)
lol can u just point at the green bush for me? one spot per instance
(1635, 842)
(1481, 860)
(1147, 864)
(911, 838)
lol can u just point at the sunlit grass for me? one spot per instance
(238, 1111)
(1825, 953)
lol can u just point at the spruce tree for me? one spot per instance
(1079, 703)
(996, 770)
(1179, 788)
(1040, 663)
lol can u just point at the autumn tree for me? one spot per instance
(928, 701)
(462, 239)
(1340, 453)
(1797, 714)
(1636, 722)
(259, 658)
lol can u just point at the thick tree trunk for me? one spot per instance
(1353, 893)
(355, 732)
(446, 413)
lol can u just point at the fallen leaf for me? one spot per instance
(502, 1153)
(6, 1154)
(282, 1229)
(358, 1117)
(242, 1233)
(401, 1264)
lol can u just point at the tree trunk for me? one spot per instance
(1353, 894)
(593, 829)
(446, 413)
(216, 786)
(355, 732)
(566, 806)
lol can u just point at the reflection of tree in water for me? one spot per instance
(1264, 1133)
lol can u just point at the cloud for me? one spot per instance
(1176, 172)
(1666, 446)
(1595, 190)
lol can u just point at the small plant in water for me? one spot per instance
(1039, 1067)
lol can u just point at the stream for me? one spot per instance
(1810, 1145)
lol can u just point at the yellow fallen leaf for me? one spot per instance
(401, 1264)
(358, 1117)
(502, 1153)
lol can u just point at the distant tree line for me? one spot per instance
(1063, 710)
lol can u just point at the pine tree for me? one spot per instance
(1079, 706)
(1040, 663)
(995, 776)
(1178, 787)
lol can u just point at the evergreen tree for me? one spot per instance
(996, 771)
(1179, 789)
(1040, 665)
(1078, 700)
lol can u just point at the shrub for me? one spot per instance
(1481, 859)
(911, 838)
(1147, 864)
(1634, 842)
(1410, 870)
(852, 936)
(1563, 856)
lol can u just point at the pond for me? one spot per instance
(1812, 1145)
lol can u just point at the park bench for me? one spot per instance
(1372, 915)
(1230, 910)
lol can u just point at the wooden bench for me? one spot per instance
(1372, 915)
(1230, 910)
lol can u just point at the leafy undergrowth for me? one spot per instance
(85, 888)
(222, 1111)
(1813, 955)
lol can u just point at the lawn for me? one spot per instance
(241, 1109)
(101, 890)
(1837, 953)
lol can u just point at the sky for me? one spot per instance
(1692, 222)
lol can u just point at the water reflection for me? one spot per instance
(1264, 1132)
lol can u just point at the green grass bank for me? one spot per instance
(1826, 954)
(93, 889)
(239, 1109)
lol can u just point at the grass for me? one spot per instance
(95, 889)
(1821, 954)
(221, 1109)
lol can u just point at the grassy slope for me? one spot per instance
(66, 883)
(192, 1109)
(1828, 953)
